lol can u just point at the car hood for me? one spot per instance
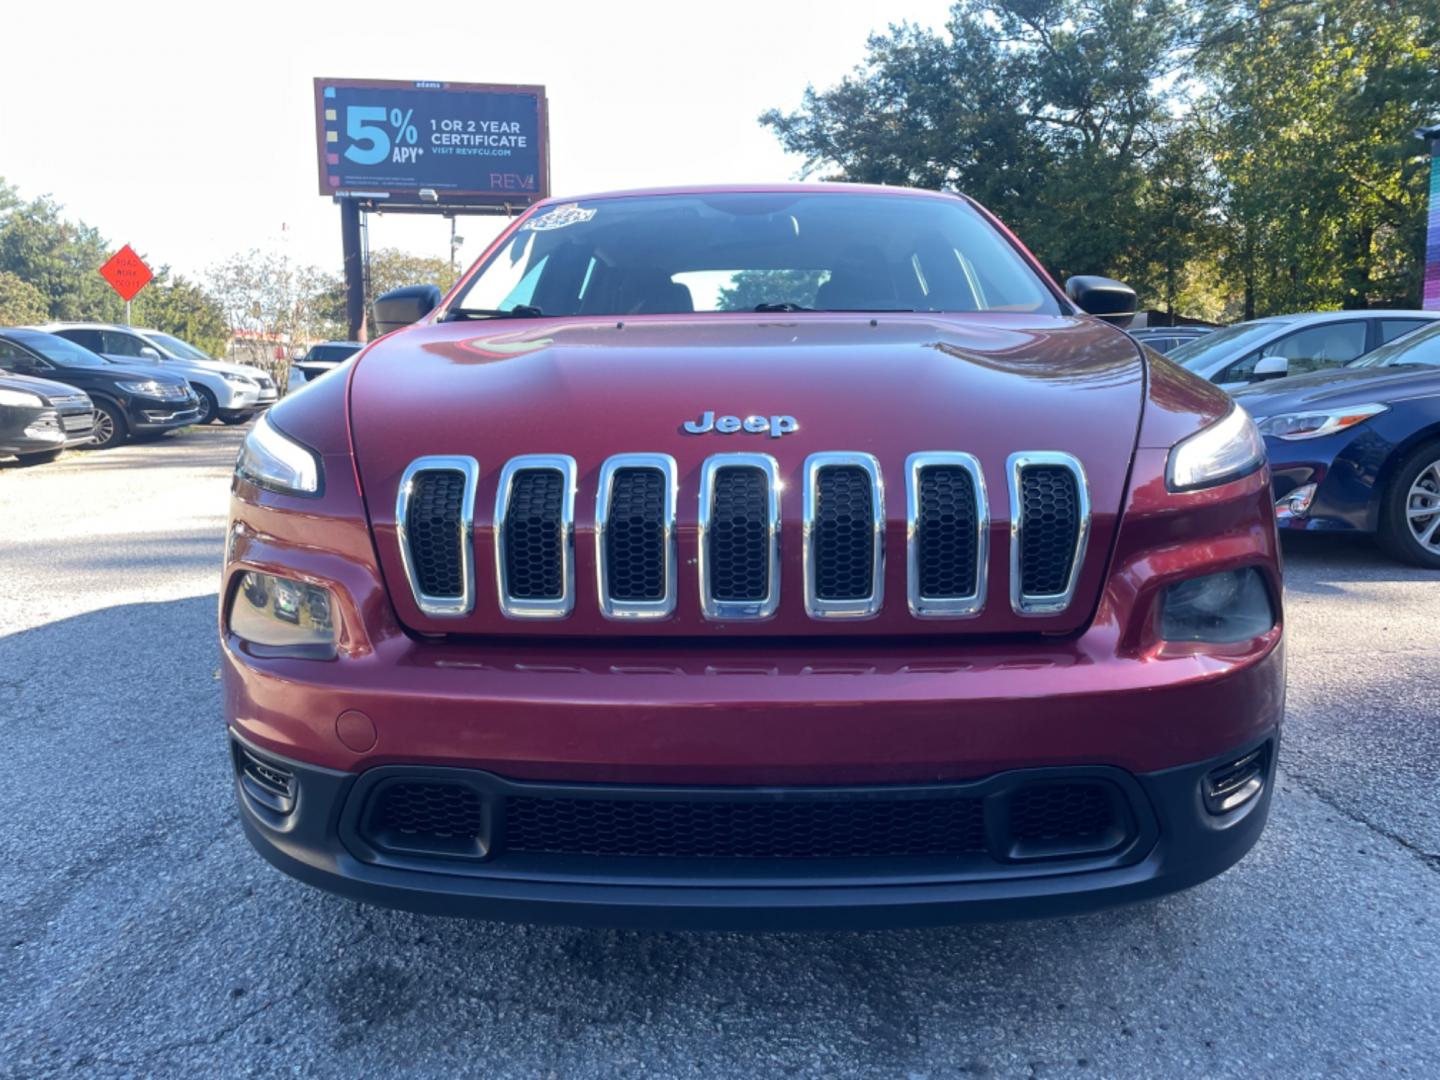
(1338, 387)
(889, 385)
(48, 388)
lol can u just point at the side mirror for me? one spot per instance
(399, 308)
(147, 353)
(1102, 297)
(1271, 367)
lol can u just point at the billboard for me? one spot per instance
(471, 144)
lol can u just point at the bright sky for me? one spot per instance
(188, 129)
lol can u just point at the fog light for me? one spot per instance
(1230, 606)
(1296, 504)
(1232, 786)
(284, 615)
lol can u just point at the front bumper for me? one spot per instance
(148, 414)
(1171, 842)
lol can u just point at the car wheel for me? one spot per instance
(208, 405)
(39, 458)
(110, 427)
(1410, 518)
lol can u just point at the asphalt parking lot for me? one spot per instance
(139, 934)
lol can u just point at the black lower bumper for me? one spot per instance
(1171, 842)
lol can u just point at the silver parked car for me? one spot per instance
(1282, 345)
(231, 393)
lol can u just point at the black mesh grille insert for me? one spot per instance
(1050, 519)
(534, 535)
(748, 830)
(844, 535)
(635, 535)
(945, 529)
(1062, 813)
(427, 811)
(432, 528)
(739, 535)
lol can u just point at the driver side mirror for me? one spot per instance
(1271, 367)
(1102, 297)
(399, 308)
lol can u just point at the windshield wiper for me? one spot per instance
(864, 310)
(519, 311)
(781, 305)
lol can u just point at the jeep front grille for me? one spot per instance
(635, 536)
(844, 536)
(739, 519)
(535, 537)
(739, 526)
(1049, 528)
(435, 517)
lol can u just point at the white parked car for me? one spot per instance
(1263, 349)
(321, 359)
(231, 393)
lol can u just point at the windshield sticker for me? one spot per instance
(561, 216)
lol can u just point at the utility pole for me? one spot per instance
(354, 268)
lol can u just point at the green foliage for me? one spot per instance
(20, 302)
(749, 288)
(56, 256)
(1240, 156)
(179, 306)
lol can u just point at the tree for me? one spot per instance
(749, 288)
(56, 256)
(20, 302)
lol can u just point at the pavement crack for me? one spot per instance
(1428, 859)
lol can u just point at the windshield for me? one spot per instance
(1419, 347)
(1223, 344)
(753, 251)
(58, 350)
(175, 346)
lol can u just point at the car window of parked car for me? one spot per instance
(743, 251)
(1420, 347)
(118, 343)
(86, 339)
(1390, 329)
(175, 346)
(1200, 354)
(1316, 348)
(58, 350)
(17, 361)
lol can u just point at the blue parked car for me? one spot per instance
(1358, 448)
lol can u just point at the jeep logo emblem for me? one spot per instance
(754, 425)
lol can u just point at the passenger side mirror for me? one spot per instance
(401, 307)
(1102, 297)
(1271, 367)
(147, 353)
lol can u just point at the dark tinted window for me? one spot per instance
(118, 343)
(1390, 329)
(732, 252)
(89, 339)
(15, 359)
(58, 350)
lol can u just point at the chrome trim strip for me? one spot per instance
(752, 610)
(866, 607)
(949, 607)
(514, 607)
(636, 609)
(1045, 604)
(442, 607)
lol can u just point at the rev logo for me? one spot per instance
(754, 425)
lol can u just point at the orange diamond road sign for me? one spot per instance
(127, 273)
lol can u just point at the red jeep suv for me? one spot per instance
(787, 556)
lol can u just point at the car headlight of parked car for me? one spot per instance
(1226, 450)
(148, 388)
(1230, 606)
(272, 460)
(20, 399)
(1313, 425)
(240, 381)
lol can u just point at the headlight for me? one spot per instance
(148, 388)
(21, 399)
(1312, 425)
(1226, 450)
(280, 613)
(239, 380)
(1227, 607)
(275, 461)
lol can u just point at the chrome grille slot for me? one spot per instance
(1049, 530)
(739, 532)
(535, 537)
(947, 535)
(635, 536)
(435, 520)
(844, 536)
